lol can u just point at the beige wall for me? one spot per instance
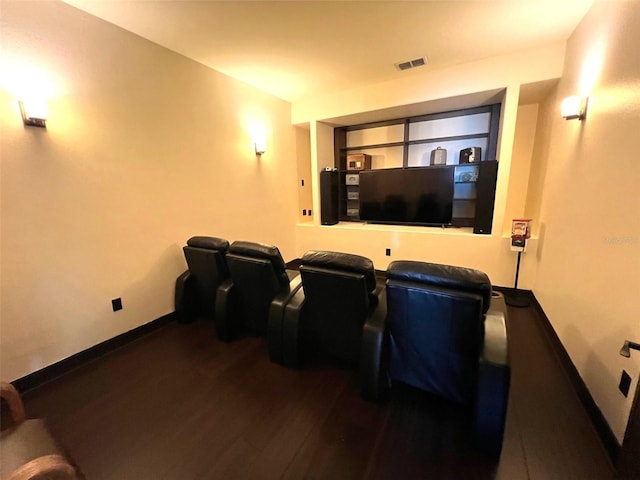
(488, 253)
(460, 246)
(496, 72)
(143, 149)
(524, 136)
(589, 252)
(547, 111)
(303, 157)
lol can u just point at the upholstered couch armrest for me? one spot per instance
(226, 309)
(47, 466)
(494, 378)
(374, 380)
(14, 402)
(276, 319)
(29, 451)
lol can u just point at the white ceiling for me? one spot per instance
(295, 49)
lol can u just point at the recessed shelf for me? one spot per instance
(407, 143)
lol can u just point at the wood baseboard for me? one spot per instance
(68, 364)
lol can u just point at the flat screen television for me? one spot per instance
(409, 196)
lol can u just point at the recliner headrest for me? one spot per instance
(209, 243)
(342, 261)
(262, 250)
(448, 276)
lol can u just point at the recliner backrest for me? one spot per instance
(435, 317)
(207, 264)
(258, 272)
(339, 293)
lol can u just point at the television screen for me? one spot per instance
(420, 195)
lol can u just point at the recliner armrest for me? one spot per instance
(276, 319)
(291, 319)
(226, 305)
(185, 297)
(495, 348)
(494, 377)
(374, 297)
(374, 379)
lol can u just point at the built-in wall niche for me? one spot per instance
(409, 142)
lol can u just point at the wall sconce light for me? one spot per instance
(260, 147)
(34, 112)
(574, 107)
(627, 346)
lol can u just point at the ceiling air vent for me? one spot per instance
(418, 62)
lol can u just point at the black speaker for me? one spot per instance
(485, 197)
(328, 197)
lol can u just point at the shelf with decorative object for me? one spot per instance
(461, 140)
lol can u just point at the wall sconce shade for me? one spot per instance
(574, 107)
(625, 351)
(260, 147)
(34, 113)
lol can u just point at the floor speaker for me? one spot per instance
(328, 197)
(485, 196)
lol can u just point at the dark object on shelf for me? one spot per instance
(418, 196)
(470, 155)
(353, 193)
(328, 197)
(485, 196)
(195, 292)
(438, 156)
(352, 179)
(358, 161)
(28, 450)
(458, 348)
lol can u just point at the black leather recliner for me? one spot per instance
(195, 292)
(258, 276)
(447, 335)
(328, 315)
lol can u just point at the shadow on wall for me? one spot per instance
(542, 229)
(154, 292)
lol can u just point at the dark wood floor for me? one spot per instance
(178, 404)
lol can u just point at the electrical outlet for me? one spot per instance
(302, 182)
(116, 304)
(388, 252)
(625, 383)
(309, 212)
